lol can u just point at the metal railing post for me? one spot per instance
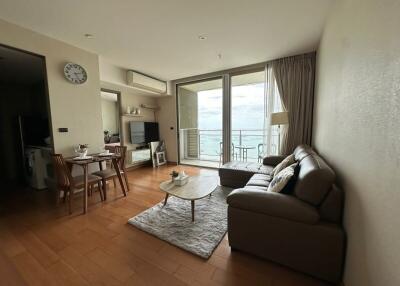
(198, 147)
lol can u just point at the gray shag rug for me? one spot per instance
(173, 222)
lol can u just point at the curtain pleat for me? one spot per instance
(295, 80)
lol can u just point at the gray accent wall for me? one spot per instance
(357, 130)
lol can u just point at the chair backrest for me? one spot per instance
(221, 147)
(121, 150)
(260, 149)
(63, 174)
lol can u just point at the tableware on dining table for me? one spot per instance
(82, 158)
(82, 150)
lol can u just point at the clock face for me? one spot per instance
(75, 73)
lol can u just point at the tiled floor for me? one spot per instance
(40, 244)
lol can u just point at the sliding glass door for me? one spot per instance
(200, 122)
(248, 116)
(227, 119)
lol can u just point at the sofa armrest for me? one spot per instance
(273, 160)
(273, 204)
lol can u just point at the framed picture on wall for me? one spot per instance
(161, 160)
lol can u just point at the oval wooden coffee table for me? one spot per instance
(197, 187)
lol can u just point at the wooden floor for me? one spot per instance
(40, 244)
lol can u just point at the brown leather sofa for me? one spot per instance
(302, 229)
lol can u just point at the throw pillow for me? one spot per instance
(289, 160)
(281, 179)
(289, 188)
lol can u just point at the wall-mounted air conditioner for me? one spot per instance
(145, 82)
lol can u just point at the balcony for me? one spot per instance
(202, 147)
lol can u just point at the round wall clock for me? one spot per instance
(75, 73)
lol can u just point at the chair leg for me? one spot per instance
(64, 196)
(104, 188)
(115, 184)
(126, 181)
(71, 197)
(100, 190)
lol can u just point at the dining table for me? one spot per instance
(243, 149)
(95, 158)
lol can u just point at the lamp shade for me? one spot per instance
(279, 118)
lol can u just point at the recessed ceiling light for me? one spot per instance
(202, 37)
(89, 36)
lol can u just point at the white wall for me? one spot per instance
(134, 101)
(76, 107)
(357, 129)
(114, 78)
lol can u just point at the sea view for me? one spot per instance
(248, 107)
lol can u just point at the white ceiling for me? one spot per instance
(160, 38)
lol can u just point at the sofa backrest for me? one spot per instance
(331, 208)
(315, 178)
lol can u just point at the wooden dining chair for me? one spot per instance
(67, 183)
(111, 174)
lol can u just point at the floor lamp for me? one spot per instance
(279, 118)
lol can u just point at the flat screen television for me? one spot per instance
(143, 132)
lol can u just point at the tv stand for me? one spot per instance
(141, 155)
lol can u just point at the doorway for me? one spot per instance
(25, 127)
(201, 122)
(111, 116)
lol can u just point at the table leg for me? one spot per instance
(166, 198)
(117, 170)
(85, 188)
(192, 210)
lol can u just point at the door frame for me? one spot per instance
(119, 115)
(177, 85)
(226, 76)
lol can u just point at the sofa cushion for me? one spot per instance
(262, 177)
(314, 180)
(273, 204)
(248, 167)
(281, 179)
(259, 180)
(237, 174)
(289, 160)
(255, 188)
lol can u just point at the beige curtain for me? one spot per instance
(295, 80)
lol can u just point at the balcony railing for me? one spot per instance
(206, 144)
